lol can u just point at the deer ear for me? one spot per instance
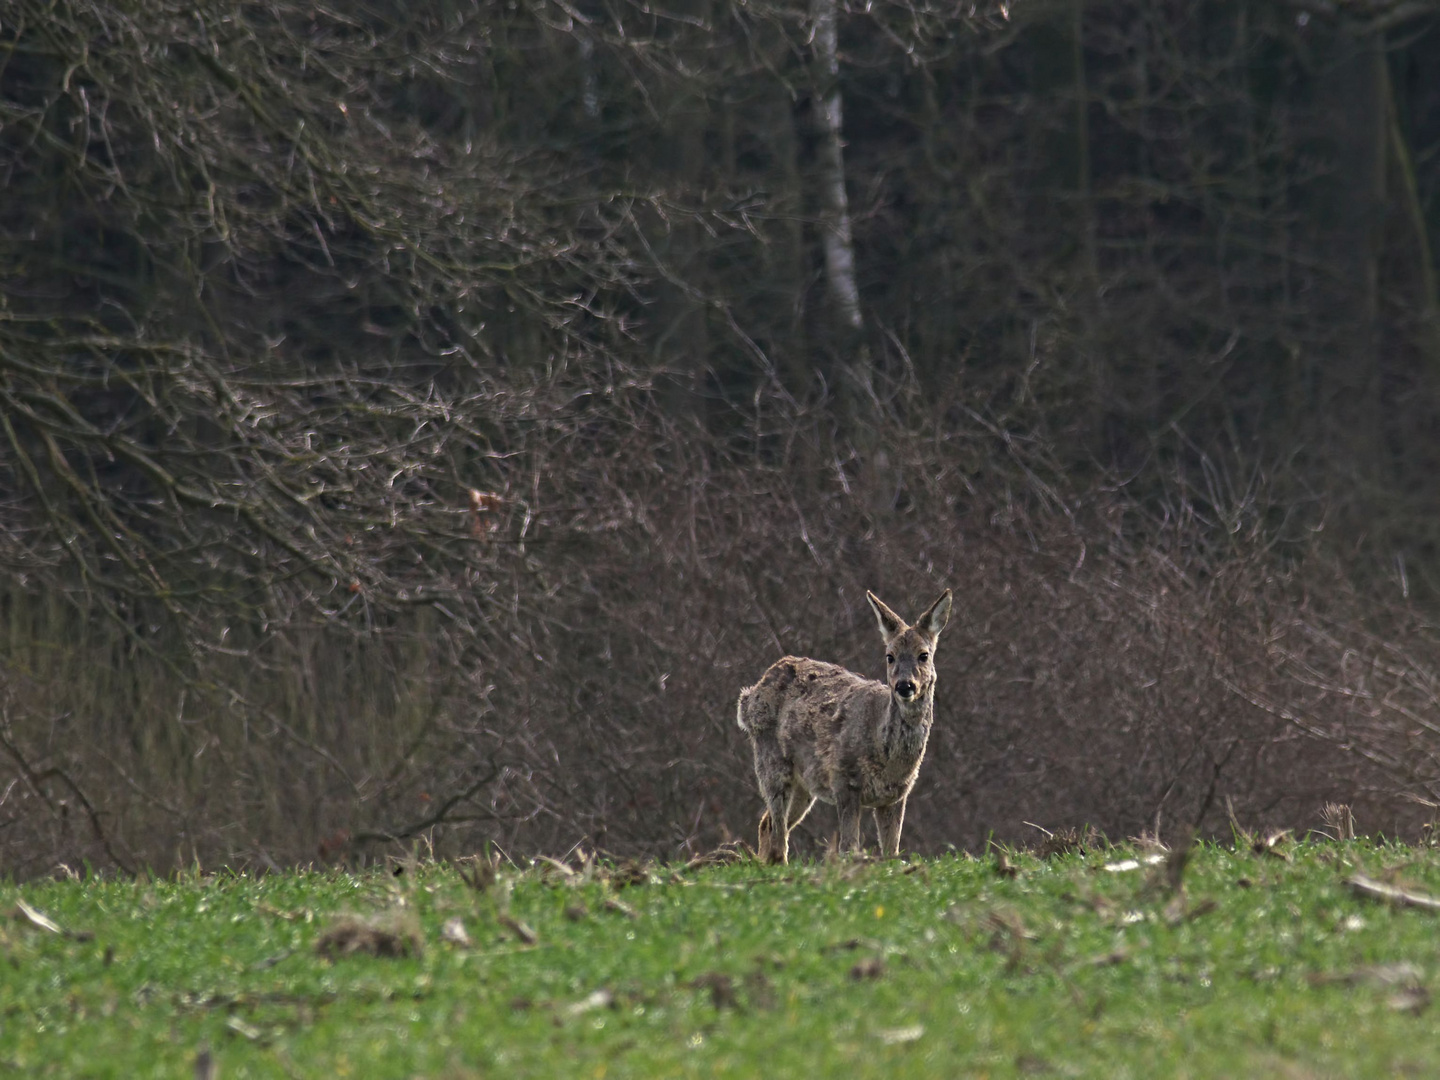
(934, 620)
(890, 623)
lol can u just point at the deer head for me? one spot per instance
(910, 650)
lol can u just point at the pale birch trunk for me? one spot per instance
(830, 158)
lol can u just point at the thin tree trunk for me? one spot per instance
(830, 155)
(679, 313)
(789, 257)
(1350, 128)
(1061, 137)
(1414, 262)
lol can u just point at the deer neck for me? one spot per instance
(907, 726)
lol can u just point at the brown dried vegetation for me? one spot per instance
(393, 935)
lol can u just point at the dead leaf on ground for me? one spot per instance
(1269, 844)
(519, 929)
(872, 967)
(1406, 979)
(721, 987)
(1178, 909)
(1402, 973)
(1102, 906)
(900, 1035)
(1005, 924)
(455, 933)
(1109, 959)
(1175, 908)
(243, 1029)
(599, 999)
(1204, 907)
(1008, 935)
(1123, 866)
(759, 990)
(479, 871)
(393, 935)
(628, 873)
(301, 915)
(620, 908)
(270, 961)
(550, 868)
(724, 855)
(1412, 999)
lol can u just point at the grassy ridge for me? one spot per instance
(1267, 966)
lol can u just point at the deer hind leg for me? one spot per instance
(797, 794)
(777, 788)
(775, 841)
(888, 822)
(775, 824)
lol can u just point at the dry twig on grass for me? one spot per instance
(1378, 890)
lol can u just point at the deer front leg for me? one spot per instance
(847, 802)
(888, 822)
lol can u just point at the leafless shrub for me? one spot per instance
(1067, 841)
(1340, 820)
(356, 489)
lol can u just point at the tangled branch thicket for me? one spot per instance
(386, 453)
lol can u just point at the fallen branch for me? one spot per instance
(1379, 890)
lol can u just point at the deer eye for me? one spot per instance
(924, 656)
(889, 658)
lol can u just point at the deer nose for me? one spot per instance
(905, 688)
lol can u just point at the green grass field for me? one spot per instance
(1267, 965)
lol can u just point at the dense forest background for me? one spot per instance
(419, 420)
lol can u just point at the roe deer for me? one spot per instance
(822, 732)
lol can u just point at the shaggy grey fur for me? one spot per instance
(822, 732)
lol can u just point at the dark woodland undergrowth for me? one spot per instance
(1105, 665)
(419, 422)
